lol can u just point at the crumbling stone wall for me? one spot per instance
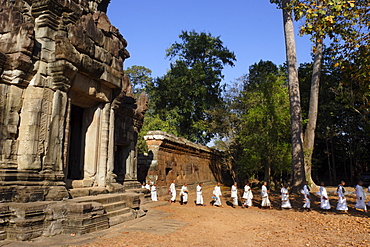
(174, 158)
(65, 103)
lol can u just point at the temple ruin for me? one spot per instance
(175, 158)
(68, 117)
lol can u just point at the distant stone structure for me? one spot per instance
(68, 119)
(175, 158)
(67, 111)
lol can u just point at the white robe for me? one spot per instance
(184, 193)
(360, 198)
(153, 192)
(342, 202)
(234, 195)
(265, 197)
(217, 193)
(306, 193)
(248, 196)
(147, 186)
(199, 195)
(285, 202)
(173, 192)
(324, 199)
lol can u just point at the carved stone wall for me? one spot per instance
(68, 116)
(174, 158)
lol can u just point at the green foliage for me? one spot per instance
(139, 76)
(342, 134)
(191, 89)
(263, 132)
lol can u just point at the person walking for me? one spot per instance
(184, 194)
(234, 194)
(342, 202)
(217, 194)
(285, 202)
(324, 199)
(199, 201)
(360, 197)
(153, 192)
(265, 196)
(306, 192)
(247, 195)
(172, 191)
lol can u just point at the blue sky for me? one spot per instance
(252, 29)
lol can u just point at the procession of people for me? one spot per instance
(247, 196)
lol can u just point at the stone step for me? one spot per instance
(115, 220)
(103, 198)
(119, 212)
(114, 206)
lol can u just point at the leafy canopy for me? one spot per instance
(192, 86)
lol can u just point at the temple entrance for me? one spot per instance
(76, 151)
(120, 159)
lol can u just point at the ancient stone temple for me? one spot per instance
(67, 112)
(68, 117)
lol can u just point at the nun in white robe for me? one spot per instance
(199, 200)
(342, 202)
(285, 202)
(173, 191)
(217, 194)
(360, 197)
(265, 197)
(306, 192)
(324, 199)
(247, 195)
(234, 194)
(153, 192)
(184, 194)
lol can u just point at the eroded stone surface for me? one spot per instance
(64, 98)
(174, 158)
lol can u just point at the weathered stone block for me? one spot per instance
(56, 193)
(20, 61)
(112, 77)
(103, 56)
(65, 50)
(92, 31)
(91, 67)
(81, 41)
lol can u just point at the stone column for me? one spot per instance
(104, 144)
(54, 145)
(28, 150)
(111, 147)
(91, 126)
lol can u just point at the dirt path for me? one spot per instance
(187, 225)
(210, 226)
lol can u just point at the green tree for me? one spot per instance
(191, 89)
(298, 169)
(263, 132)
(140, 77)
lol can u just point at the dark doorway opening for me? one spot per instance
(76, 153)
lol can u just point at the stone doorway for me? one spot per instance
(84, 145)
(76, 150)
(120, 163)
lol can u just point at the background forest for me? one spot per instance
(249, 118)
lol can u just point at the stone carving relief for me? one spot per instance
(67, 113)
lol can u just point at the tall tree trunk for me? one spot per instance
(334, 169)
(298, 172)
(309, 137)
